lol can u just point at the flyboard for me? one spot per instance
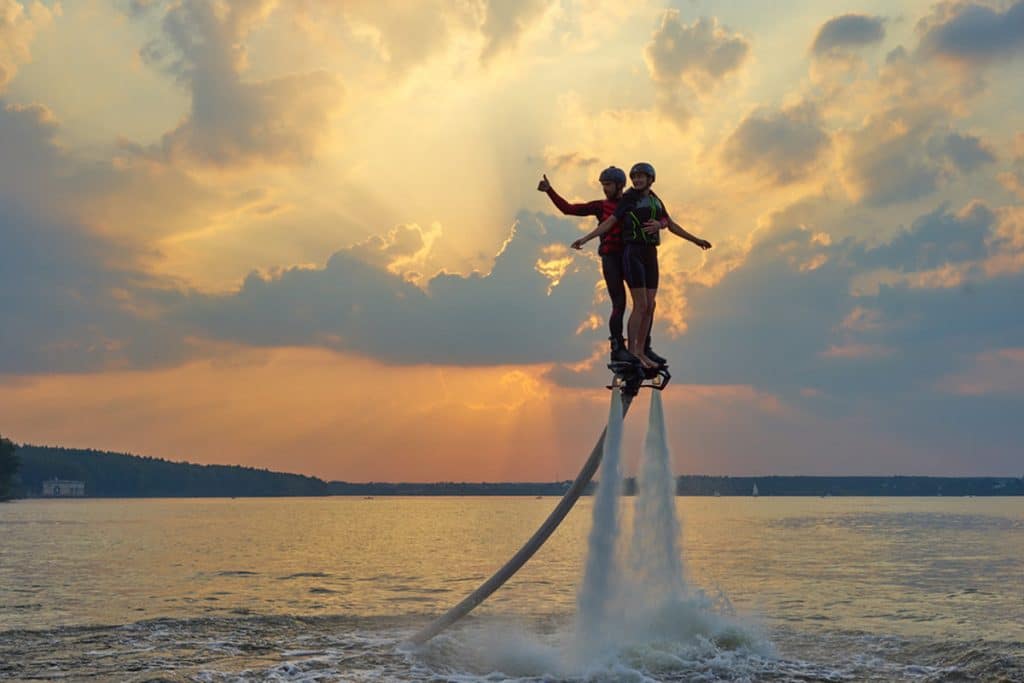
(627, 378)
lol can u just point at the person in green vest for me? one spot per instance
(642, 216)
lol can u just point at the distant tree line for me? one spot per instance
(9, 464)
(700, 485)
(119, 475)
(122, 475)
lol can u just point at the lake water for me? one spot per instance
(797, 589)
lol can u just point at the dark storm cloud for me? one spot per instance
(848, 31)
(782, 146)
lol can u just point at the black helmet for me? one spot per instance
(613, 174)
(643, 167)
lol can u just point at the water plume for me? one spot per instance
(602, 569)
(656, 558)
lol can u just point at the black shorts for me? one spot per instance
(640, 263)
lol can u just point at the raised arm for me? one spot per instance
(567, 208)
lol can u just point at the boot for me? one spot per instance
(652, 355)
(620, 354)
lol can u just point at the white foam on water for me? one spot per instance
(689, 649)
(636, 620)
(495, 649)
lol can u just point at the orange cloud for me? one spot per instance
(19, 23)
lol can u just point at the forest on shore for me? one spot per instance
(9, 465)
(23, 469)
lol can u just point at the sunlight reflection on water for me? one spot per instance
(937, 568)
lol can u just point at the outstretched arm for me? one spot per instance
(588, 209)
(677, 229)
(601, 229)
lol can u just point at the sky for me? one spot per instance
(305, 234)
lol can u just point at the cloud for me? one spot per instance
(513, 314)
(67, 306)
(699, 54)
(554, 160)
(506, 22)
(19, 24)
(91, 306)
(233, 122)
(131, 195)
(973, 33)
(937, 239)
(1013, 179)
(857, 351)
(849, 31)
(70, 298)
(75, 298)
(906, 152)
(28, 135)
(968, 152)
(783, 327)
(138, 8)
(992, 372)
(884, 160)
(804, 336)
(83, 311)
(404, 35)
(407, 35)
(782, 146)
(691, 57)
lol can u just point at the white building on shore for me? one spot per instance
(63, 488)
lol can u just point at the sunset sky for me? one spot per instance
(306, 235)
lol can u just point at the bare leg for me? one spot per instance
(637, 325)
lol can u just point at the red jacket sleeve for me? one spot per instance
(589, 209)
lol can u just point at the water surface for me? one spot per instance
(327, 588)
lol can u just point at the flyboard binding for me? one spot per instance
(631, 377)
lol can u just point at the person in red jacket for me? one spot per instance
(639, 216)
(613, 181)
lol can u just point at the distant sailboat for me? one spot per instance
(754, 492)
